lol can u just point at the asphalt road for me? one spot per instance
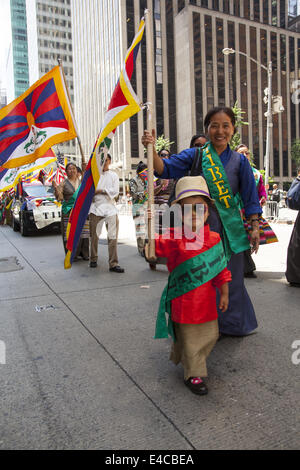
(79, 368)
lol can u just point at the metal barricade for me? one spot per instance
(272, 210)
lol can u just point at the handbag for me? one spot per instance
(266, 234)
(293, 196)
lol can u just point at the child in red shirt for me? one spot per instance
(194, 313)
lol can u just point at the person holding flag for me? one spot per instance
(227, 174)
(66, 193)
(103, 209)
(124, 104)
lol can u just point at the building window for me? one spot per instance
(171, 73)
(256, 7)
(198, 73)
(215, 5)
(274, 12)
(226, 8)
(220, 64)
(275, 92)
(181, 5)
(285, 137)
(209, 62)
(134, 144)
(231, 63)
(243, 82)
(247, 9)
(254, 98)
(282, 13)
(237, 11)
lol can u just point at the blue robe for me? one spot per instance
(239, 319)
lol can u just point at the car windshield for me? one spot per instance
(49, 190)
(36, 191)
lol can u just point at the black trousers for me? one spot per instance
(249, 265)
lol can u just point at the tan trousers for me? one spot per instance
(112, 227)
(193, 346)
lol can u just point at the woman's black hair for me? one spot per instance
(195, 137)
(164, 150)
(240, 146)
(220, 109)
(71, 163)
(140, 167)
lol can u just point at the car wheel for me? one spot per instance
(23, 229)
(15, 225)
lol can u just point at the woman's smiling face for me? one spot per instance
(71, 171)
(220, 131)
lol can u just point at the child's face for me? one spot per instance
(194, 212)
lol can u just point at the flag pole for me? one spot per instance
(150, 101)
(83, 163)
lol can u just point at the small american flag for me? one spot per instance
(61, 174)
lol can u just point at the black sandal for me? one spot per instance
(196, 385)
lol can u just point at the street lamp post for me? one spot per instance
(227, 51)
(269, 126)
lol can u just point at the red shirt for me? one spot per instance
(198, 305)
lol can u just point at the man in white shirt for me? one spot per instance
(103, 209)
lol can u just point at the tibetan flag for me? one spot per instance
(144, 173)
(9, 178)
(124, 104)
(37, 120)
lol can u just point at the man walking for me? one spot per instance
(103, 209)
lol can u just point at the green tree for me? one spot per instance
(271, 181)
(295, 152)
(162, 143)
(238, 112)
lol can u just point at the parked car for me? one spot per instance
(35, 209)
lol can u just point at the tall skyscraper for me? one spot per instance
(100, 41)
(191, 72)
(3, 98)
(19, 49)
(257, 30)
(49, 32)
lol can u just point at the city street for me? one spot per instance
(80, 368)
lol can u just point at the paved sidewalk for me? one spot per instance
(82, 369)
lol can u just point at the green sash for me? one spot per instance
(67, 206)
(235, 238)
(187, 276)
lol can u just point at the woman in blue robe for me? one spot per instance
(219, 123)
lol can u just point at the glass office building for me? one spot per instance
(19, 46)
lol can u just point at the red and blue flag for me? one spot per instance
(124, 104)
(37, 120)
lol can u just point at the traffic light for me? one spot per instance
(277, 106)
(266, 97)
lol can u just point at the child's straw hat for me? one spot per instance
(191, 186)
